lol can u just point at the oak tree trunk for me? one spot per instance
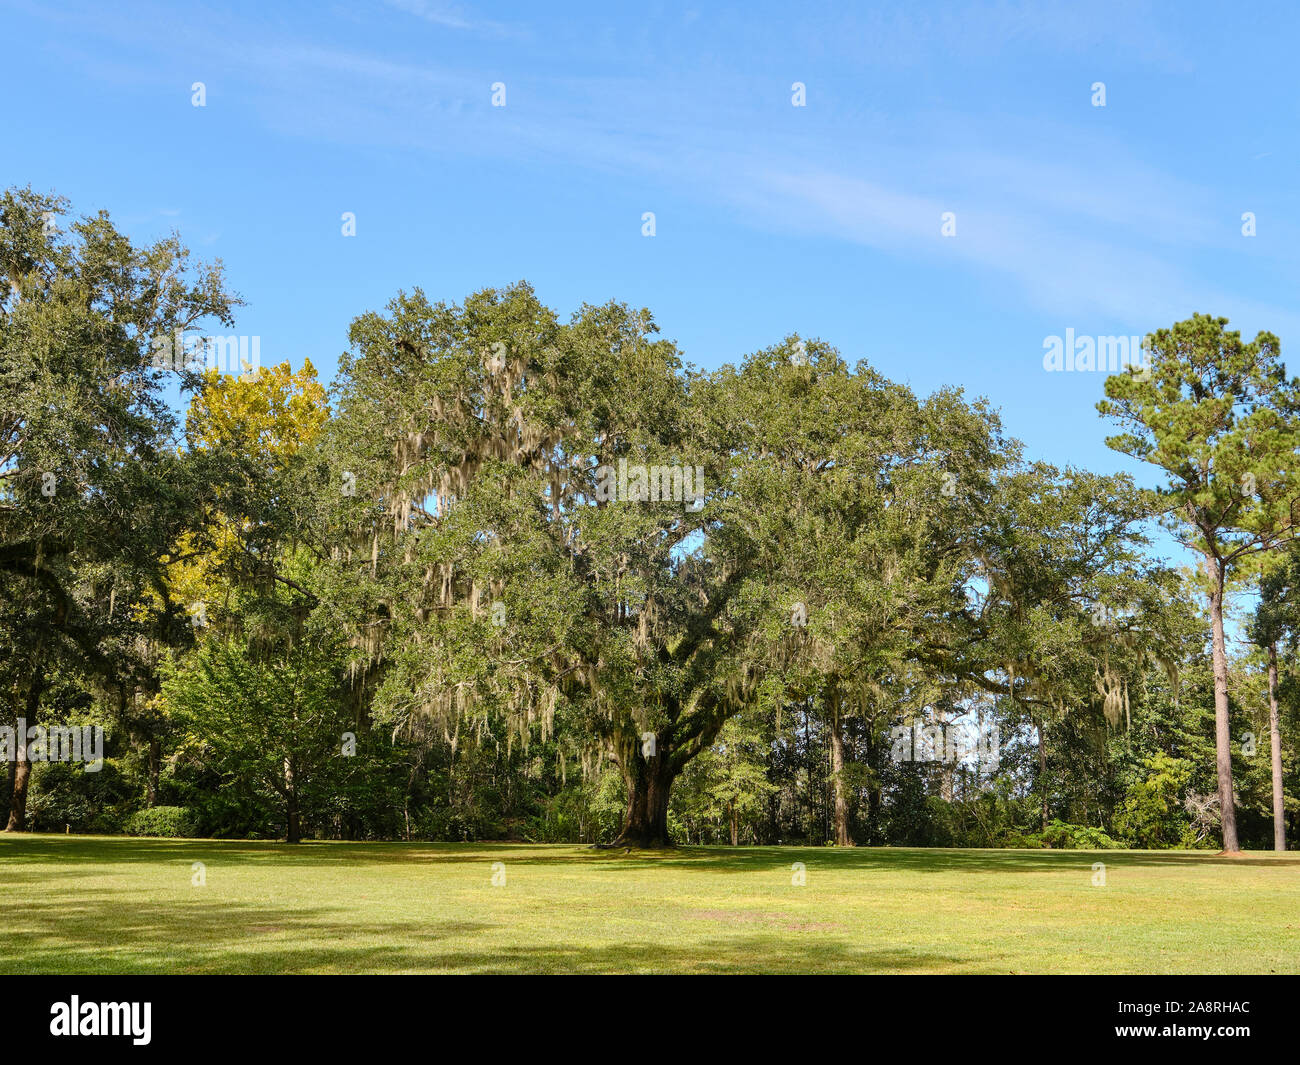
(18, 799)
(23, 766)
(293, 831)
(648, 782)
(10, 773)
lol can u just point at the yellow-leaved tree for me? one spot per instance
(262, 419)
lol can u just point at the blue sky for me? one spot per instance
(770, 219)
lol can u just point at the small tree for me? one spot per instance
(1220, 417)
(733, 775)
(268, 719)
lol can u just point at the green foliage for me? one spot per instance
(431, 565)
(1152, 813)
(1221, 418)
(726, 789)
(169, 821)
(63, 797)
(1062, 836)
(269, 720)
(91, 484)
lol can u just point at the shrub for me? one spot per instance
(63, 795)
(1063, 836)
(171, 821)
(1153, 812)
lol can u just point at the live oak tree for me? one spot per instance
(1222, 419)
(1067, 609)
(499, 569)
(91, 481)
(831, 554)
(856, 498)
(932, 568)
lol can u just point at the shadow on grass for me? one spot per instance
(941, 860)
(87, 935)
(69, 851)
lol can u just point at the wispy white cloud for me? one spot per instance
(1065, 217)
(1078, 226)
(449, 16)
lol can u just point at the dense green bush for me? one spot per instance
(170, 821)
(1152, 813)
(1061, 835)
(62, 796)
(588, 810)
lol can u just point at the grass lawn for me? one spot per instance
(84, 904)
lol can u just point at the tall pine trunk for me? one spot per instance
(876, 753)
(1275, 740)
(293, 827)
(155, 756)
(842, 837)
(1222, 734)
(809, 800)
(1042, 772)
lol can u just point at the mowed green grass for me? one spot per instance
(76, 904)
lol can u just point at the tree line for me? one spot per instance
(512, 575)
